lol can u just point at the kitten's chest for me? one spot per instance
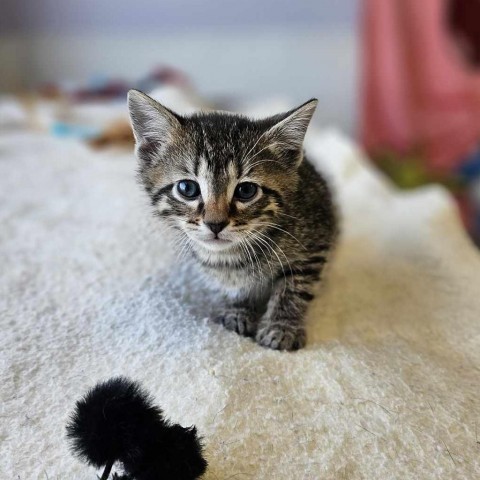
(235, 278)
(235, 281)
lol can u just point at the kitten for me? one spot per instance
(256, 216)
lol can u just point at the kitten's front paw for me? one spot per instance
(281, 336)
(240, 320)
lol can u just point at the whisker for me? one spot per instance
(274, 225)
(267, 238)
(253, 156)
(250, 167)
(287, 215)
(244, 247)
(254, 145)
(257, 260)
(185, 246)
(265, 242)
(255, 241)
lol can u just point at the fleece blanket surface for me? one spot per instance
(387, 387)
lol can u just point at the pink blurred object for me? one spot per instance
(418, 92)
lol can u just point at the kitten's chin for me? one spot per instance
(216, 245)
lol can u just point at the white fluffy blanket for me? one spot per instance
(387, 388)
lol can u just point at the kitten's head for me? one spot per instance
(217, 177)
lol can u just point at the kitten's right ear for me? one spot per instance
(153, 124)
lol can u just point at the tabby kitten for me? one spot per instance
(254, 214)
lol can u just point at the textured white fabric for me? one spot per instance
(387, 387)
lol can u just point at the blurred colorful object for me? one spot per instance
(95, 111)
(420, 95)
(84, 132)
(103, 87)
(464, 22)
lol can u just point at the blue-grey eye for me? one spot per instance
(188, 189)
(245, 191)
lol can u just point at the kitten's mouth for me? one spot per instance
(216, 243)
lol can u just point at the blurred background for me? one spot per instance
(400, 76)
(250, 48)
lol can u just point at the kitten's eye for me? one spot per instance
(245, 191)
(188, 189)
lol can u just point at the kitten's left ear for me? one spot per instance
(152, 123)
(289, 129)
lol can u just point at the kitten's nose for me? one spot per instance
(216, 227)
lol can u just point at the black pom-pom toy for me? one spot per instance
(116, 421)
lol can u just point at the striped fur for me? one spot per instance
(274, 248)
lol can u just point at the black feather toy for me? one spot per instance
(116, 421)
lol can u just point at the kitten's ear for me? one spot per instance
(289, 129)
(153, 124)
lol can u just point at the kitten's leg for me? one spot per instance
(282, 326)
(240, 317)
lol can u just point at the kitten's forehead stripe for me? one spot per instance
(224, 139)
